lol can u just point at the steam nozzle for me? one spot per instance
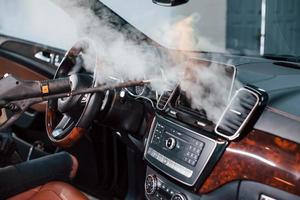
(12, 89)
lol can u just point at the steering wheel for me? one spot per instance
(68, 119)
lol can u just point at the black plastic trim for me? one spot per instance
(250, 190)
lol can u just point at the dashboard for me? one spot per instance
(188, 156)
(192, 157)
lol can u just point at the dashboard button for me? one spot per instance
(170, 143)
(150, 184)
(179, 196)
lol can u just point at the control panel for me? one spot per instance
(156, 188)
(178, 151)
(187, 148)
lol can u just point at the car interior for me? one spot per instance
(126, 140)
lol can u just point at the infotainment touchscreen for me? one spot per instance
(183, 100)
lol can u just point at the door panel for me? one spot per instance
(30, 55)
(17, 57)
(29, 50)
(11, 67)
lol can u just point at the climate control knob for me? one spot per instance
(179, 196)
(170, 143)
(150, 184)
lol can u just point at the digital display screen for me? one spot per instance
(222, 71)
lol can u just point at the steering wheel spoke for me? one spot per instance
(65, 125)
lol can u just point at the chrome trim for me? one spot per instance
(173, 112)
(235, 112)
(232, 82)
(154, 184)
(3, 39)
(265, 197)
(150, 136)
(162, 4)
(201, 124)
(39, 55)
(181, 196)
(200, 172)
(168, 101)
(173, 143)
(237, 133)
(105, 100)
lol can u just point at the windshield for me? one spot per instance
(256, 27)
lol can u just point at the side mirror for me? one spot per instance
(169, 2)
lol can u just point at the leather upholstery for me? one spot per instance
(51, 191)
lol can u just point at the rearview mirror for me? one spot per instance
(169, 2)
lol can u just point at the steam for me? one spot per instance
(111, 53)
(184, 32)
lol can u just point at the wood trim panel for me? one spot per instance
(259, 157)
(8, 66)
(68, 140)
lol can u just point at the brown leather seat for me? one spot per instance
(51, 191)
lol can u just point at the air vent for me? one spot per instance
(164, 99)
(237, 114)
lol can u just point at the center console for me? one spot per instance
(158, 187)
(182, 146)
(182, 154)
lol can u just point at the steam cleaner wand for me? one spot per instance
(18, 95)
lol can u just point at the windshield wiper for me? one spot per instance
(288, 58)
